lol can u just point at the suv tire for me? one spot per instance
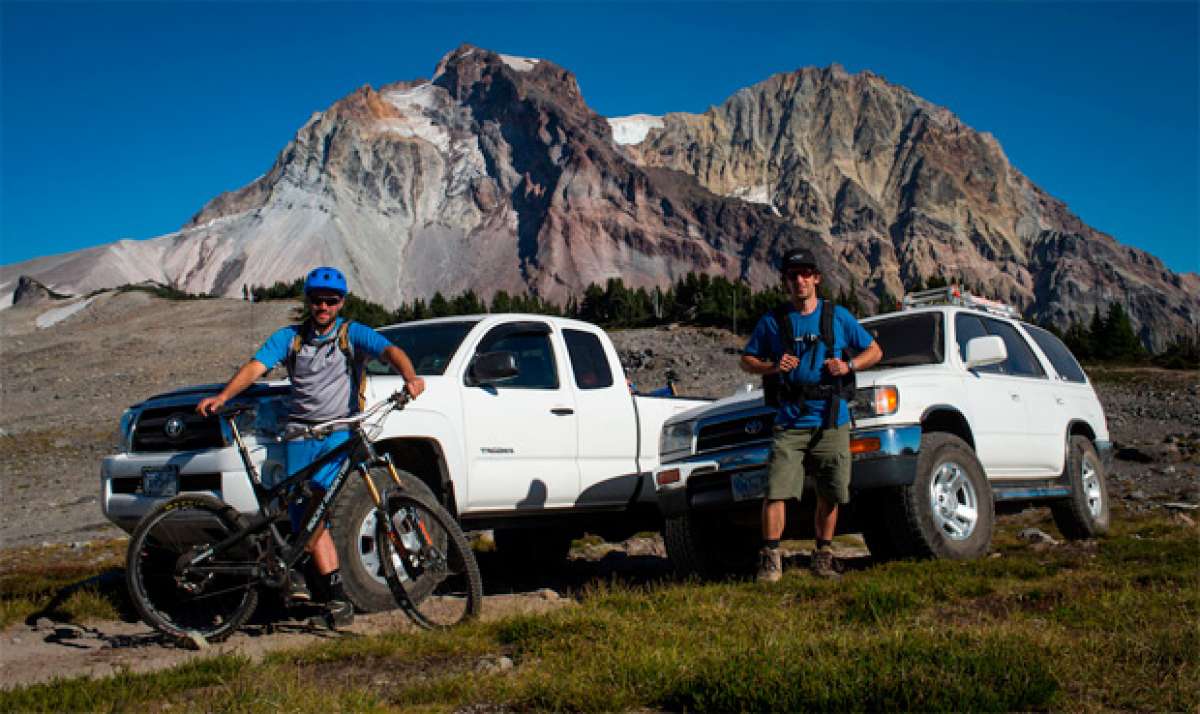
(947, 511)
(710, 547)
(1085, 513)
(353, 517)
(533, 551)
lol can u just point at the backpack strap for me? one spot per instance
(783, 321)
(827, 309)
(294, 350)
(357, 369)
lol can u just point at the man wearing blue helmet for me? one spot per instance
(325, 358)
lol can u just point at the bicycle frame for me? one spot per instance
(292, 552)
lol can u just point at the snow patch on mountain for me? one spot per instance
(634, 128)
(417, 105)
(760, 193)
(58, 314)
(520, 64)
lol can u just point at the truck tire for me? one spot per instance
(947, 511)
(353, 517)
(532, 551)
(709, 547)
(1083, 514)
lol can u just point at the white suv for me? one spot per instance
(969, 409)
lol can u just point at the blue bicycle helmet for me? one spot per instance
(325, 278)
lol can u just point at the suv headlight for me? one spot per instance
(676, 439)
(127, 420)
(877, 401)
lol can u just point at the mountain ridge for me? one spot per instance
(495, 174)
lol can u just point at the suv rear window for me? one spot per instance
(908, 340)
(1059, 355)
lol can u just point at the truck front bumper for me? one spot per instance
(882, 457)
(217, 472)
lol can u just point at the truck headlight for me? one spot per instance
(877, 401)
(127, 420)
(676, 438)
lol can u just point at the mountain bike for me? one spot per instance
(195, 565)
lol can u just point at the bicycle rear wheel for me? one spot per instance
(427, 562)
(181, 603)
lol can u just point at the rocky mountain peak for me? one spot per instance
(495, 174)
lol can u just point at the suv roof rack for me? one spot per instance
(954, 295)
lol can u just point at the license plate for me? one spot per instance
(160, 481)
(748, 486)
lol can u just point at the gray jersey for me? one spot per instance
(321, 382)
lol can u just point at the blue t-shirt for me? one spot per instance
(323, 386)
(766, 343)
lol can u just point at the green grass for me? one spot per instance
(63, 583)
(1082, 627)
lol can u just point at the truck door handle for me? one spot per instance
(1015, 396)
(562, 411)
(1058, 400)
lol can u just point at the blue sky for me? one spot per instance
(122, 120)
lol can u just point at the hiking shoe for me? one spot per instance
(297, 590)
(770, 565)
(822, 564)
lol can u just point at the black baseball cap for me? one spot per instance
(796, 258)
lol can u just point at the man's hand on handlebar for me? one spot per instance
(210, 406)
(414, 387)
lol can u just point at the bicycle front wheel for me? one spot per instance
(427, 562)
(181, 602)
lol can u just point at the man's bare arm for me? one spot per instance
(245, 376)
(398, 359)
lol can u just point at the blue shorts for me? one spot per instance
(302, 452)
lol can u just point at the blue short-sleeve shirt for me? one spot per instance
(324, 386)
(767, 343)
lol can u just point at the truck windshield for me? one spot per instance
(908, 340)
(430, 346)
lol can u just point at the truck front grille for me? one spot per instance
(188, 430)
(736, 432)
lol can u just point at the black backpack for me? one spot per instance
(777, 391)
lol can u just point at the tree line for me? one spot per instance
(704, 300)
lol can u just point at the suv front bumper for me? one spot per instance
(732, 477)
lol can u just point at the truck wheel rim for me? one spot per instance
(1091, 487)
(368, 554)
(953, 501)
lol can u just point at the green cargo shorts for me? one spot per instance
(823, 453)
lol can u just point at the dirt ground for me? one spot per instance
(65, 386)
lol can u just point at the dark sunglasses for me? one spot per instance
(805, 272)
(324, 301)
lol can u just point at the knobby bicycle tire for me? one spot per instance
(182, 606)
(437, 587)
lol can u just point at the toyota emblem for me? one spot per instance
(753, 427)
(175, 426)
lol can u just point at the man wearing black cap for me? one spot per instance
(807, 382)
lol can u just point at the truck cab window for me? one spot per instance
(588, 361)
(535, 360)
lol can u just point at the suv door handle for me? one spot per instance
(562, 411)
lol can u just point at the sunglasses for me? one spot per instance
(805, 272)
(322, 301)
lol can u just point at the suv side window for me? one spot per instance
(1021, 362)
(535, 359)
(1059, 355)
(588, 360)
(966, 328)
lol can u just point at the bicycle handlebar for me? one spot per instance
(398, 400)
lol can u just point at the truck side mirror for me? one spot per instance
(985, 351)
(491, 367)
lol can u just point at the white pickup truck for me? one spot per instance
(969, 410)
(560, 448)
